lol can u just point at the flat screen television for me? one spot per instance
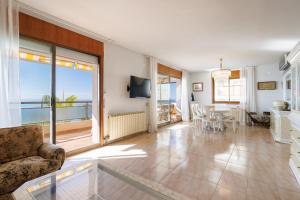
(139, 87)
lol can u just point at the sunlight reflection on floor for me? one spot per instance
(178, 126)
(112, 152)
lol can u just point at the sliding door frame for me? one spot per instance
(57, 36)
(53, 95)
(171, 73)
(169, 111)
(170, 82)
(169, 102)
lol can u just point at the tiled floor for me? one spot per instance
(75, 139)
(244, 165)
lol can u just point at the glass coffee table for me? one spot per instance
(93, 180)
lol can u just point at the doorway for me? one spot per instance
(61, 97)
(168, 99)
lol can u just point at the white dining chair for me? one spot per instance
(218, 124)
(196, 109)
(208, 109)
(233, 117)
(208, 118)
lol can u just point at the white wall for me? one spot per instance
(204, 97)
(265, 98)
(119, 64)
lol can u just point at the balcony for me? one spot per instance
(73, 121)
(168, 113)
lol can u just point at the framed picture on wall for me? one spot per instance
(198, 87)
(268, 85)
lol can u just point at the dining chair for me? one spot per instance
(233, 117)
(207, 109)
(218, 123)
(208, 118)
(196, 109)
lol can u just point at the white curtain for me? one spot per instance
(153, 100)
(185, 97)
(95, 106)
(248, 91)
(10, 110)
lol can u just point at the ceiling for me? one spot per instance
(191, 34)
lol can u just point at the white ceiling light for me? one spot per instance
(221, 73)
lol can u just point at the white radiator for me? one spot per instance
(121, 125)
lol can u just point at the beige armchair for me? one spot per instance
(24, 156)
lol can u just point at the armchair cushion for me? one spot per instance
(7, 197)
(14, 174)
(19, 142)
(53, 152)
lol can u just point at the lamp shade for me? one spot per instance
(221, 74)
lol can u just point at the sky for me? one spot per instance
(35, 82)
(168, 91)
(173, 92)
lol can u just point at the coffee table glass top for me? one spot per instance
(92, 180)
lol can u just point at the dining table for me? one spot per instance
(224, 112)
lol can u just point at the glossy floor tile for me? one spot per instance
(206, 165)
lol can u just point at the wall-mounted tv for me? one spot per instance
(139, 87)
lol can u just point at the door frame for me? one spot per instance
(53, 95)
(169, 121)
(54, 35)
(169, 103)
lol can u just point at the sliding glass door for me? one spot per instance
(75, 85)
(63, 98)
(175, 99)
(35, 85)
(168, 99)
(163, 99)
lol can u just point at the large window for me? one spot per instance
(227, 91)
(62, 98)
(168, 95)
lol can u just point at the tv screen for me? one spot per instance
(139, 87)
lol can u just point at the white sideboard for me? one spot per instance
(295, 144)
(294, 117)
(280, 126)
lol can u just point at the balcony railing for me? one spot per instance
(34, 112)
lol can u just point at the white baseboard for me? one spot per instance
(278, 139)
(295, 170)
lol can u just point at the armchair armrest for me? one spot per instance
(52, 151)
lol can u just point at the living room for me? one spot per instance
(149, 100)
